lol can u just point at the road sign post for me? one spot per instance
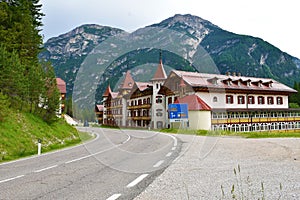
(178, 112)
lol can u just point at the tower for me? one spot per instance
(158, 110)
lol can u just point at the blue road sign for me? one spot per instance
(178, 111)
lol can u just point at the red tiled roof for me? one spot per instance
(160, 73)
(100, 107)
(196, 79)
(128, 81)
(61, 84)
(114, 94)
(194, 102)
(142, 85)
(107, 91)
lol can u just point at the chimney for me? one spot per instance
(227, 73)
(233, 74)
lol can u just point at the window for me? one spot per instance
(229, 99)
(251, 100)
(215, 99)
(261, 100)
(169, 100)
(270, 100)
(144, 101)
(159, 99)
(241, 100)
(279, 100)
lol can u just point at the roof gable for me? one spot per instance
(194, 102)
(128, 81)
(107, 91)
(160, 73)
(61, 85)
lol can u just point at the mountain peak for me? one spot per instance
(94, 29)
(188, 19)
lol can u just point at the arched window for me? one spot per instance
(215, 99)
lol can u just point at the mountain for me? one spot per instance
(232, 52)
(188, 42)
(67, 51)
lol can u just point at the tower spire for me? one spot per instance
(160, 73)
(160, 56)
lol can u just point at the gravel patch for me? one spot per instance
(269, 168)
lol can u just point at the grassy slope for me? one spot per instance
(19, 133)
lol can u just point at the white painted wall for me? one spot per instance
(208, 98)
(199, 120)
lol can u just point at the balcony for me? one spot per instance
(146, 118)
(143, 106)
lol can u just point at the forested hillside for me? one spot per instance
(29, 97)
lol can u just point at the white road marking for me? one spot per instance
(44, 169)
(137, 180)
(175, 142)
(169, 154)
(114, 197)
(84, 157)
(129, 137)
(77, 159)
(159, 163)
(173, 148)
(10, 179)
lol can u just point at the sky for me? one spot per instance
(275, 21)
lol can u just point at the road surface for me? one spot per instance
(117, 164)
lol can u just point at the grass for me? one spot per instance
(19, 134)
(263, 134)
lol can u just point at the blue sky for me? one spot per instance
(274, 21)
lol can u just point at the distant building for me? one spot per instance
(99, 113)
(215, 102)
(61, 84)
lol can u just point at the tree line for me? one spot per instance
(26, 84)
(295, 98)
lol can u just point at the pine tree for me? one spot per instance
(23, 78)
(50, 98)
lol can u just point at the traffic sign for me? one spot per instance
(178, 112)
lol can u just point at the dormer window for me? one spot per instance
(213, 80)
(238, 82)
(268, 84)
(228, 81)
(259, 84)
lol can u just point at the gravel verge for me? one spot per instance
(269, 168)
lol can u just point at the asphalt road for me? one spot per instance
(117, 164)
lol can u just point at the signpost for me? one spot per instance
(39, 146)
(178, 112)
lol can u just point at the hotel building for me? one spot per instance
(215, 102)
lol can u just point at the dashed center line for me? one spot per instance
(44, 169)
(169, 154)
(173, 148)
(159, 163)
(10, 179)
(137, 180)
(77, 159)
(114, 197)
